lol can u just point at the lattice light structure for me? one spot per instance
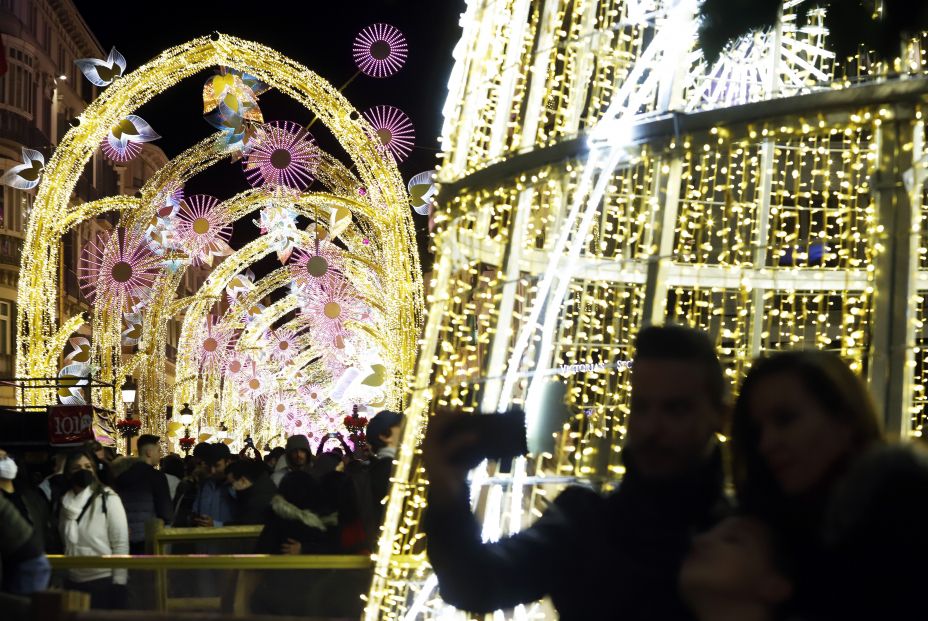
(373, 199)
(574, 209)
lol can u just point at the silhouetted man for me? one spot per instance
(612, 557)
(143, 490)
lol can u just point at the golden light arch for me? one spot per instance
(39, 336)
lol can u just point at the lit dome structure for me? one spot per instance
(598, 175)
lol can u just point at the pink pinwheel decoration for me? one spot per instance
(393, 129)
(284, 344)
(200, 230)
(281, 155)
(215, 345)
(310, 266)
(118, 271)
(329, 307)
(380, 50)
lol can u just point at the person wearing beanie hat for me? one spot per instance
(297, 457)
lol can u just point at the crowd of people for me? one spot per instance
(96, 503)
(828, 519)
(787, 505)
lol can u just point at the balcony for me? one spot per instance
(20, 130)
(11, 250)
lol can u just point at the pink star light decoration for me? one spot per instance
(118, 270)
(380, 50)
(200, 230)
(393, 129)
(281, 155)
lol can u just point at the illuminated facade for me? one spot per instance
(598, 176)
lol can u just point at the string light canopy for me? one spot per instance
(380, 50)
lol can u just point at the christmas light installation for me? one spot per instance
(282, 154)
(200, 230)
(393, 129)
(380, 50)
(215, 345)
(310, 266)
(422, 191)
(124, 141)
(25, 176)
(118, 270)
(101, 72)
(328, 308)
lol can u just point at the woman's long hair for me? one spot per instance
(828, 380)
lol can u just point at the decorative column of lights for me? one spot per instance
(382, 184)
(760, 229)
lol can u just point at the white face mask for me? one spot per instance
(8, 468)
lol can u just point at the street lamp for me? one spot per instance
(128, 391)
(186, 418)
(129, 427)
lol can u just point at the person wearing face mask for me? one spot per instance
(732, 573)
(93, 523)
(809, 458)
(24, 569)
(30, 502)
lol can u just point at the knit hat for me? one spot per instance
(297, 442)
(381, 425)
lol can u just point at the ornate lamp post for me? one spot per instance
(186, 418)
(129, 427)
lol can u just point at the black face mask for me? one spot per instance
(82, 478)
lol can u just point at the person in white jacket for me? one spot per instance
(93, 523)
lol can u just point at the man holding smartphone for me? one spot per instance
(597, 557)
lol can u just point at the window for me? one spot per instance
(16, 207)
(17, 87)
(6, 328)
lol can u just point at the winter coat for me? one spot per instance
(286, 521)
(144, 493)
(36, 510)
(214, 499)
(16, 542)
(94, 524)
(865, 557)
(612, 557)
(253, 504)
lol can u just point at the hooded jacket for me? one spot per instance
(612, 557)
(862, 556)
(144, 493)
(94, 525)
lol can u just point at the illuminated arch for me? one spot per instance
(384, 199)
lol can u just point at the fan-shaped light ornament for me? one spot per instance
(118, 271)
(132, 333)
(310, 266)
(125, 139)
(200, 230)
(281, 155)
(422, 191)
(72, 378)
(380, 50)
(235, 365)
(393, 129)
(214, 345)
(279, 224)
(283, 344)
(102, 72)
(254, 383)
(328, 308)
(27, 175)
(278, 406)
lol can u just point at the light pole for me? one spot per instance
(129, 426)
(186, 418)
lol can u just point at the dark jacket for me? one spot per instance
(36, 510)
(253, 504)
(612, 557)
(865, 556)
(144, 493)
(286, 521)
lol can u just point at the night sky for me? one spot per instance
(318, 35)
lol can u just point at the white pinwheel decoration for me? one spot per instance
(102, 72)
(124, 142)
(27, 175)
(133, 332)
(422, 191)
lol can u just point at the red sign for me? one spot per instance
(69, 425)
